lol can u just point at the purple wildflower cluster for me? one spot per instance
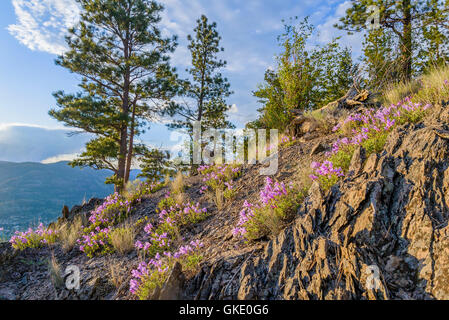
(284, 141)
(149, 188)
(268, 197)
(219, 176)
(33, 238)
(372, 121)
(156, 270)
(364, 126)
(94, 241)
(218, 173)
(287, 139)
(160, 237)
(325, 169)
(114, 209)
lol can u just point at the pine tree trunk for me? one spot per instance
(131, 146)
(406, 41)
(122, 157)
(125, 109)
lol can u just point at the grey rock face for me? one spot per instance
(380, 234)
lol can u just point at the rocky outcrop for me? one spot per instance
(380, 234)
(85, 208)
(309, 127)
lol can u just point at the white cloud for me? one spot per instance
(42, 24)
(5, 126)
(61, 157)
(23, 142)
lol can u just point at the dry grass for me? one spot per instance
(324, 119)
(397, 92)
(219, 198)
(167, 179)
(303, 176)
(117, 273)
(178, 185)
(429, 88)
(70, 232)
(55, 272)
(180, 198)
(122, 239)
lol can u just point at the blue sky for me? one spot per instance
(32, 33)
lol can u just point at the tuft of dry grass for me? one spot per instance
(117, 273)
(122, 239)
(70, 232)
(323, 118)
(432, 88)
(167, 179)
(180, 198)
(219, 198)
(398, 91)
(178, 185)
(303, 176)
(55, 272)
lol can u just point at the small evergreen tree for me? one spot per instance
(122, 58)
(434, 51)
(206, 91)
(271, 96)
(155, 165)
(380, 61)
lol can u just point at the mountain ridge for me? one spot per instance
(33, 192)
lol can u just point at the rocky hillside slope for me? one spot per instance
(387, 220)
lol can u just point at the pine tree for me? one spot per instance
(122, 58)
(206, 91)
(274, 114)
(434, 51)
(336, 74)
(297, 70)
(155, 165)
(403, 19)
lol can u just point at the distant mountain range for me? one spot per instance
(33, 192)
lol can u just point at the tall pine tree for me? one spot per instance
(403, 19)
(206, 91)
(122, 58)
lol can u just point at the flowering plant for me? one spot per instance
(150, 275)
(220, 178)
(167, 229)
(326, 173)
(368, 129)
(287, 141)
(34, 238)
(277, 203)
(114, 210)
